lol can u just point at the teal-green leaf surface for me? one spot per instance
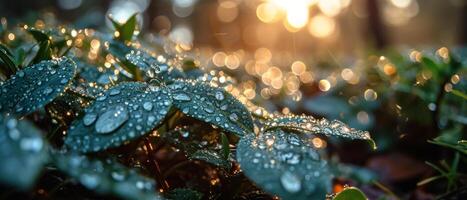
(107, 177)
(310, 125)
(123, 113)
(213, 105)
(35, 86)
(284, 164)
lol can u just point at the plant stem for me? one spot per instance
(155, 165)
(439, 98)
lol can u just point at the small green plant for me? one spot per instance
(109, 119)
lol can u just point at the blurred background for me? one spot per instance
(294, 28)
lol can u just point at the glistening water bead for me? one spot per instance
(37, 85)
(310, 125)
(291, 182)
(111, 120)
(107, 177)
(118, 117)
(23, 150)
(211, 104)
(282, 162)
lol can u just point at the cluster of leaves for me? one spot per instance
(106, 123)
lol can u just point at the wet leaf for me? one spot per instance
(284, 164)
(211, 156)
(143, 60)
(310, 125)
(23, 152)
(184, 194)
(107, 177)
(204, 145)
(126, 29)
(91, 80)
(36, 86)
(6, 49)
(123, 113)
(350, 193)
(8, 62)
(138, 61)
(212, 105)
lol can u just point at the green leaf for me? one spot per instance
(44, 52)
(450, 138)
(184, 194)
(9, 62)
(100, 77)
(6, 49)
(310, 125)
(23, 152)
(212, 157)
(225, 146)
(35, 86)
(284, 164)
(39, 35)
(123, 113)
(19, 57)
(126, 29)
(350, 193)
(138, 60)
(198, 142)
(117, 25)
(213, 105)
(107, 177)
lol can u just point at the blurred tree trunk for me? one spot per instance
(375, 25)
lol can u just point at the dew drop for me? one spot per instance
(89, 118)
(233, 117)
(63, 81)
(21, 74)
(111, 120)
(48, 90)
(291, 182)
(31, 144)
(118, 176)
(147, 106)
(90, 181)
(208, 110)
(114, 92)
(219, 96)
(182, 97)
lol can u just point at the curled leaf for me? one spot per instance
(36, 86)
(212, 105)
(310, 125)
(284, 164)
(123, 113)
